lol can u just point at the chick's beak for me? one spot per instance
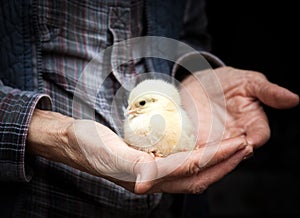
(130, 110)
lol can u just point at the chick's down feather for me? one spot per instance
(155, 120)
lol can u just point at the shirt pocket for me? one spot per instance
(72, 33)
(49, 22)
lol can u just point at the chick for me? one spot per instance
(156, 122)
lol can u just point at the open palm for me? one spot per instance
(227, 102)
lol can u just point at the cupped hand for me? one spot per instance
(97, 150)
(93, 148)
(227, 102)
(225, 106)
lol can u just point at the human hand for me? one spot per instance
(95, 149)
(233, 107)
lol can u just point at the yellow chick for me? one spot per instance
(155, 121)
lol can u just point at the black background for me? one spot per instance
(261, 36)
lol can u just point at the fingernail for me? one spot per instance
(248, 156)
(244, 143)
(249, 152)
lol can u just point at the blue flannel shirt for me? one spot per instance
(45, 46)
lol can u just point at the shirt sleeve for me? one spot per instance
(16, 109)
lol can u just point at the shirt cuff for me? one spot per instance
(16, 109)
(195, 61)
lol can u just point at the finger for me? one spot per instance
(258, 133)
(200, 182)
(275, 96)
(185, 163)
(138, 170)
(190, 163)
(146, 176)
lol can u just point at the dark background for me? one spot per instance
(261, 36)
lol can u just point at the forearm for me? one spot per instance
(59, 138)
(52, 135)
(47, 135)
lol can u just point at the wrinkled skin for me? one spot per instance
(240, 125)
(239, 108)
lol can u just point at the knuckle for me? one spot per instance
(141, 189)
(258, 76)
(228, 68)
(220, 155)
(198, 188)
(193, 169)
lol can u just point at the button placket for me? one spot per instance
(122, 55)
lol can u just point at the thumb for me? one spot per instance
(275, 96)
(146, 171)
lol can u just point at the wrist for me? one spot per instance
(48, 134)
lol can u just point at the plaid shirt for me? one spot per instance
(70, 34)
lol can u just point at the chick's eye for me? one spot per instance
(142, 103)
